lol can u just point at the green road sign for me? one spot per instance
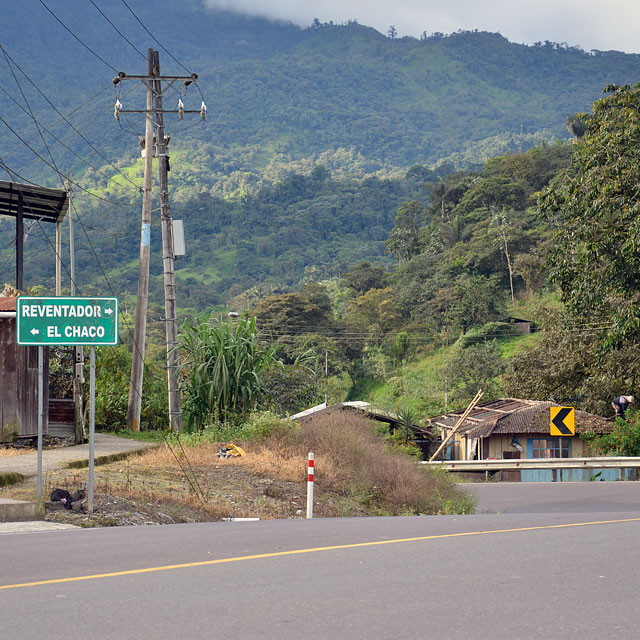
(67, 321)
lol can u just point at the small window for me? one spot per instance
(549, 447)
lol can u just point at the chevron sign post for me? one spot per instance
(562, 421)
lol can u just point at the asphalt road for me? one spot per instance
(556, 497)
(485, 576)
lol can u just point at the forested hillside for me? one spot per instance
(307, 150)
(280, 97)
(462, 262)
(365, 196)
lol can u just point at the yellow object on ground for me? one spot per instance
(233, 450)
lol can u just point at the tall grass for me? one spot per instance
(223, 364)
(353, 461)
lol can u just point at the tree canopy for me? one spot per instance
(594, 206)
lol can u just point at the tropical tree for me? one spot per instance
(576, 125)
(375, 313)
(567, 366)
(403, 239)
(595, 208)
(223, 367)
(363, 276)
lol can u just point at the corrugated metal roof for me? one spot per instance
(39, 203)
(363, 408)
(7, 303)
(511, 415)
(308, 412)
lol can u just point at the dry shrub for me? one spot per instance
(353, 461)
(162, 456)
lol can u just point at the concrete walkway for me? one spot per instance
(59, 458)
(26, 464)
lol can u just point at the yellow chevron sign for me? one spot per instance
(562, 421)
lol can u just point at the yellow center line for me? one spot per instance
(293, 552)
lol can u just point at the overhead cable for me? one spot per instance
(9, 58)
(86, 46)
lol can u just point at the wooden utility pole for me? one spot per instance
(154, 115)
(58, 257)
(20, 243)
(171, 321)
(78, 352)
(137, 358)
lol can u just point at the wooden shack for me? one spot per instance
(19, 371)
(512, 428)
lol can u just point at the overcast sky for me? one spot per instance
(590, 24)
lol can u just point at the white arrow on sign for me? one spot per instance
(108, 311)
(34, 331)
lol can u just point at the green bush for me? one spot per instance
(223, 369)
(113, 370)
(624, 440)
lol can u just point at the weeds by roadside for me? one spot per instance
(358, 474)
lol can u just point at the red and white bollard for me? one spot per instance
(310, 472)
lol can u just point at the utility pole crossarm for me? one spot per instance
(156, 111)
(123, 76)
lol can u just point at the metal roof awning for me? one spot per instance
(38, 203)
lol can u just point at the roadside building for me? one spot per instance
(521, 325)
(19, 372)
(511, 428)
(422, 438)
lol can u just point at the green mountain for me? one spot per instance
(283, 103)
(277, 94)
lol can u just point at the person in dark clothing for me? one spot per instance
(620, 404)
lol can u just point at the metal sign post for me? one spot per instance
(40, 416)
(67, 321)
(92, 426)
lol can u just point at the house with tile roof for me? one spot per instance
(511, 428)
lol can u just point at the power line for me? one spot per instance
(64, 118)
(73, 134)
(6, 124)
(46, 236)
(40, 125)
(117, 30)
(53, 124)
(59, 258)
(154, 38)
(86, 46)
(104, 275)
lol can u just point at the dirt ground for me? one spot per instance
(191, 486)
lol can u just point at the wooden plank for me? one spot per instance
(458, 424)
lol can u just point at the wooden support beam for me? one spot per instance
(458, 424)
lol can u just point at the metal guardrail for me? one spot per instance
(538, 463)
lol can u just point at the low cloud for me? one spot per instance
(591, 24)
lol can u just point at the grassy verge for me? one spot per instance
(184, 481)
(352, 461)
